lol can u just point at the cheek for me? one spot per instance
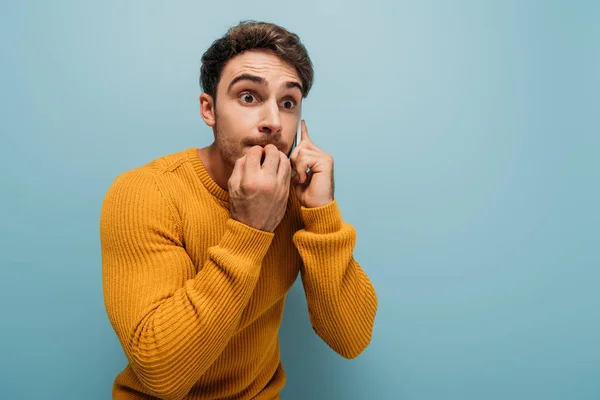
(290, 127)
(233, 128)
(238, 120)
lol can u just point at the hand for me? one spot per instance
(258, 194)
(314, 188)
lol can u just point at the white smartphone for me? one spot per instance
(298, 137)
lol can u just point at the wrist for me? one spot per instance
(326, 218)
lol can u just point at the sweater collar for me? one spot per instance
(205, 177)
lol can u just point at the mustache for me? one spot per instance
(263, 141)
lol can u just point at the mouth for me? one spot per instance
(264, 140)
(263, 145)
(260, 144)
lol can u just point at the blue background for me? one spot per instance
(466, 137)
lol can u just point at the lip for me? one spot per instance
(263, 145)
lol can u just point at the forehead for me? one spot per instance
(262, 63)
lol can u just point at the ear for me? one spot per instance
(207, 109)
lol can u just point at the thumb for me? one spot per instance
(304, 132)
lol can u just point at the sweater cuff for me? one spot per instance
(247, 245)
(324, 219)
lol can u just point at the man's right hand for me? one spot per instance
(258, 193)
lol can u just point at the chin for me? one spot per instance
(229, 158)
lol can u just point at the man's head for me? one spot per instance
(254, 79)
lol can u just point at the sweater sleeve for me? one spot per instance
(341, 299)
(172, 322)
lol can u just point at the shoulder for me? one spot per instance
(150, 177)
(144, 191)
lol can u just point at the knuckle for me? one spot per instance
(248, 185)
(268, 186)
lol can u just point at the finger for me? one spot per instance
(294, 154)
(271, 162)
(253, 159)
(305, 160)
(238, 171)
(285, 169)
(304, 134)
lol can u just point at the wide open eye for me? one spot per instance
(288, 104)
(247, 98)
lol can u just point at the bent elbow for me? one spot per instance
(164, 389)
(356, 349)
(159, 377)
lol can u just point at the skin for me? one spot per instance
(254, 124)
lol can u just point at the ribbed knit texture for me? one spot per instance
(196, 298)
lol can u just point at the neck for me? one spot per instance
(219, 171)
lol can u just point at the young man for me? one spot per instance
(199, 248)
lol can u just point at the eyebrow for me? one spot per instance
(261, 81)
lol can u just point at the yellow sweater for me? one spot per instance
(196, 298)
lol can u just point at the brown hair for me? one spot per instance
(249, 35)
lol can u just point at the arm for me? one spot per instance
(342, 302)
(172, 322)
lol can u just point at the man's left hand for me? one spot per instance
(313, 188)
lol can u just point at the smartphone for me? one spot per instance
(298, 132)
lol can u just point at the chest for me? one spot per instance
(281, 264)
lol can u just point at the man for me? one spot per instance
(199, 248)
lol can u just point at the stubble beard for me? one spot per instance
(228, 149)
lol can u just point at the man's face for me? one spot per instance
(258, 98)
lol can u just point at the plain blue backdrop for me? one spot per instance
(466, 136)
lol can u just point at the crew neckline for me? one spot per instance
(208, 182)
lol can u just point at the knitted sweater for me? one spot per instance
(196, 298)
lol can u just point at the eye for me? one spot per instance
(247, 98)
(288, 104)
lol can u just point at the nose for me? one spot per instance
(271, 122)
